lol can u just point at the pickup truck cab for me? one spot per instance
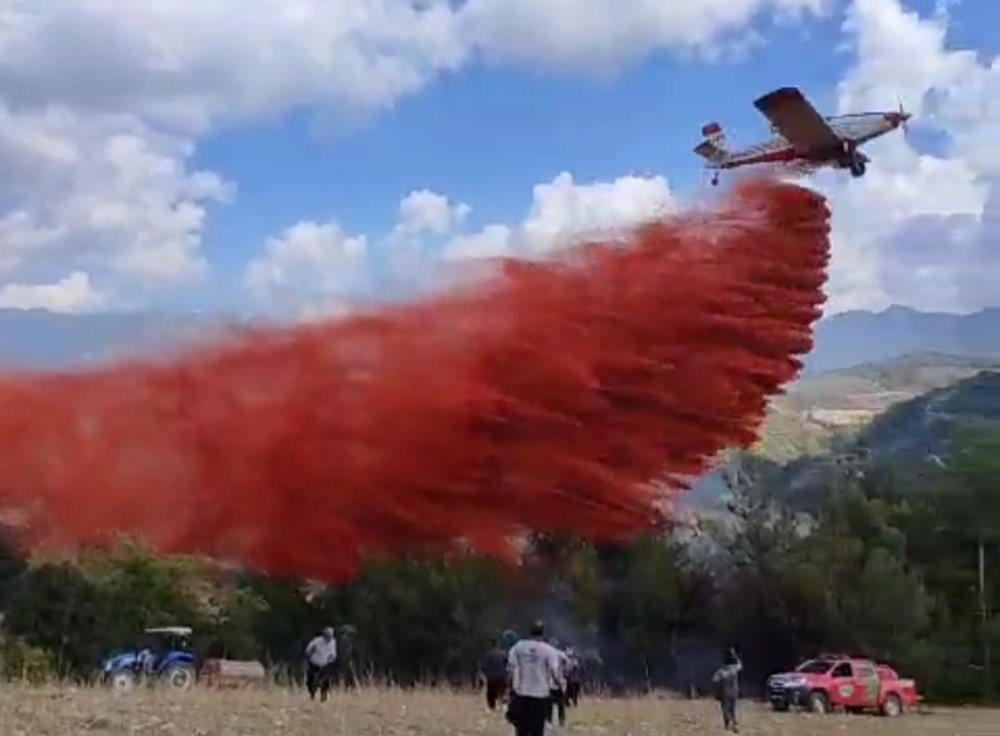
(841, 682)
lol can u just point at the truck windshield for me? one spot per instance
(815, 666)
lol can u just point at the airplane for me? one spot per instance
(801, 137)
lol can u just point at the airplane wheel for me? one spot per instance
(858, 168)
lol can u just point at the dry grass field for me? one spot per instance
(65, 711)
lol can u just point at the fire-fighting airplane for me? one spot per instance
(801, 137)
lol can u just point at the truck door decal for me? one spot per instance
(871, 691)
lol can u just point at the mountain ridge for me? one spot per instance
(43, 339)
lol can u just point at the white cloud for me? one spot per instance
(98, 192)
(308, 262)
(563, 211)
(95, 147)
(492, 241)
(877, 218)
(423, 212)
(602, 35)
(74, 293)
(193, 65)
(311, 262)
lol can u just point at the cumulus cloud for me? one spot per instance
(99, 192)
(602, 35)
(308, 262)
(95, 147)
(311, 263)
(424, 212)
(563, 211)
(916, 229)
(73, 293)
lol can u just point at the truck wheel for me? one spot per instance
(892, 706)
(818, 702)
(780, 706)
(179, 677)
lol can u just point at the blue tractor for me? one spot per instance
(163, 656)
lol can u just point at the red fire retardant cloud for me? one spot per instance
(550, 396)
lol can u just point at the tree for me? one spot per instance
(58, 610)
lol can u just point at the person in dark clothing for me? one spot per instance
(727, 683)
(573, 678)
(557, 697)
(494, 669)
(346, 673)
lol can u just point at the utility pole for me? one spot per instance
(984, 620)
(984, 612)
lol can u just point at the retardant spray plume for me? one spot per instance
(551, 396)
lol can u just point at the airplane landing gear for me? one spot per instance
(854, 160)
(858, 166)
(715, 180)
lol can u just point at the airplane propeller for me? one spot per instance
(903, 118)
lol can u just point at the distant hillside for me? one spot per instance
(43, 339)
(820, 408)
(35, 338)
(852, 338)
(922, 426)
(909, 433)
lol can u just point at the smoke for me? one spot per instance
(547, 396)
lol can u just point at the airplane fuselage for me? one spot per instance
(852, 130)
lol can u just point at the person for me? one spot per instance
(321, 656)
(533, 666)
(494, 669)
(557, 685)
(726, 681)
(346, 673)
(573, 678)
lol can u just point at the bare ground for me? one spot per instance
(55, 711)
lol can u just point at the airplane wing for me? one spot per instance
(797, 120)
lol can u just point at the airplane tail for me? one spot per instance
(713, 145)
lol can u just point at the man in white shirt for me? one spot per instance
(534, 667)
(321, 655)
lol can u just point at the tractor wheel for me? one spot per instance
(122, 681)
(179, 677)
(818, 702)
(892, 706)
(779, 706)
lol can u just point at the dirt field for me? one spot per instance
(61, 712)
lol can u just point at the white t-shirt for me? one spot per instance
(562, 668)
(322, 652)
(534, 666)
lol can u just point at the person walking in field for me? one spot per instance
(557, 685)
(573, 678)
(534, 666)
(494, 669)
(321, 657)
(727, 683)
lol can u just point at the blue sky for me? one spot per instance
(486, 135)
(186, 166)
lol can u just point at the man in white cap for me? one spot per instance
(321, 655)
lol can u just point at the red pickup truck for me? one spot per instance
(842, 682)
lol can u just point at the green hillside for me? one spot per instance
(819, 410)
